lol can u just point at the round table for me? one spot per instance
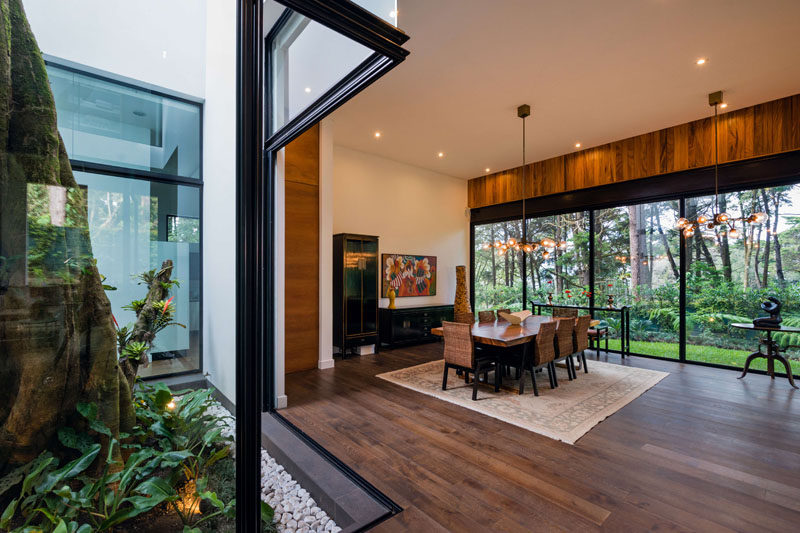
(772, 354)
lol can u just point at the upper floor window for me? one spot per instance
(112, 123)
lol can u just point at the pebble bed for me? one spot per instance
(295, 509)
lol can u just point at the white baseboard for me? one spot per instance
(281, 402)
(325, 364)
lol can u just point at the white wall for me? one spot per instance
(219, 200)
(326, 165)
(412, 210)
(128, 38)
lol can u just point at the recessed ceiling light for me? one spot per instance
(577, 145)
(163, 54)
(377, 134)
(723, 105)
(701, 61)
(487, 169)
(393, 14)
(440, 154)
(307, 90)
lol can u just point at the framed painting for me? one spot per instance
(408, 275)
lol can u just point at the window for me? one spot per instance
(498, 280)
(306, 59)
(728, 276)
(139, 151)
(562, 274)
(114, 123)
(637, 264)
(636, 256)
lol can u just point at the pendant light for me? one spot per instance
(524, 245)
(718, 219)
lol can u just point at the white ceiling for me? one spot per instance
(593, 72)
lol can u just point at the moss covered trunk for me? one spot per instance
(57, 339)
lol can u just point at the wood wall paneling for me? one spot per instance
(302, 252)
(763, 129)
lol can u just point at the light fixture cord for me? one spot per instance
(716, 161)
(524, 226)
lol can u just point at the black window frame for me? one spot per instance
(255, 193)
(757, 173)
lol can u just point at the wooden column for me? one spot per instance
(302, 252)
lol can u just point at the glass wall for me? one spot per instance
(637, 263)
(113, 123)
(139, 221)
(728, 274)
(562, 274)
(497, 279)
(134, 226)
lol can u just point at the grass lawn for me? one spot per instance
(707, 354)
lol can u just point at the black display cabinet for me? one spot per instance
(355, 291)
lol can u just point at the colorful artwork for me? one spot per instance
(409, 275)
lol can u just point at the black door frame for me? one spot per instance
(255, 193)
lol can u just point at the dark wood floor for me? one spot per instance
(700, 451)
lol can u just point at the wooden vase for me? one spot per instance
(461, 306)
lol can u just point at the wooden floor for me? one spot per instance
(701, 451)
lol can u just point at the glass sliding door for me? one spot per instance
(729, 274)
(498, 279)
(637, 265)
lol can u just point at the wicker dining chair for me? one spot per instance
(485, 316)
(563, 344)
(565, 312)
(464, 318)
(502, 311)
(459, 353)
(544, 354)
(580, 339)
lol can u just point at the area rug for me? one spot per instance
(565, 413)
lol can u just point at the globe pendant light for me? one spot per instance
(719, 220)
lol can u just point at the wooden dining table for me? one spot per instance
(506, 335)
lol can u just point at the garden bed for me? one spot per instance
(174, 472)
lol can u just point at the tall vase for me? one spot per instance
(462, 296)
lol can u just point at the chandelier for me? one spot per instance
(719, 219)
(547, 245)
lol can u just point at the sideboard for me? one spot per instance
(411, 325)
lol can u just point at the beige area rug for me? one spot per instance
(565, 413)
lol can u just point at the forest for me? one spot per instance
(637, 264)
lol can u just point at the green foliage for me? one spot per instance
(169, 458)
(136, 306)
(134, 350)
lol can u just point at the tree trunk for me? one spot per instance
(57, 339)
(157, 291)
(765, 273)
(724, 246)
(665, 242)
(494, 261)
(778, 257)
(633, 247)
(757, 256)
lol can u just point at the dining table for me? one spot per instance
(503, 334)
